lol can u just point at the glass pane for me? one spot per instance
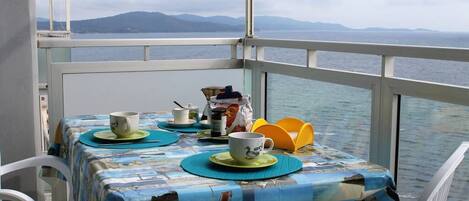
(156, 52)
(340, 114)
(107, 54)
(350, 62)
(448, 72)
(286, 55)
(429, 133)
(190, 52)
(331, 60)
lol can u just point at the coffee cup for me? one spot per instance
(246, 147)
(124, 124)
(181, 115)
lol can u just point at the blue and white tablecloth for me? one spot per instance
(155, 174)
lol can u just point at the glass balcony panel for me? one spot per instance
(340, 114)
(107, 54)
(156, 52)
(350, 62)
(285, 55)
(444, 39)
(331, 60)
(447, 72)
(430, 131)
(101, 93)
(190, 52)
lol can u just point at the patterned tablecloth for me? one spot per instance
(155, 174)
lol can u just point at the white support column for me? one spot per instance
(258, 86)
(260, 53)
(67, 12)
(54, 99)
(311, 58)
(249, 19)
(51, 15)
(384, 119)
(19, 92)
(146, 53)
(48, 63)
(247, 54)
(234, 51)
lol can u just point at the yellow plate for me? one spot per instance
(225, 159)
(110, 136)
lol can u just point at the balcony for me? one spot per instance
(383, 99)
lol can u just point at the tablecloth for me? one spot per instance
(155, 174)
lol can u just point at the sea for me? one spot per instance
(429, 131)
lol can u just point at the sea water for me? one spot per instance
(429, 131)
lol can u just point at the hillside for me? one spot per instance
(148, 22)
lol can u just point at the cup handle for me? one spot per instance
(271, 142)
(127, 123)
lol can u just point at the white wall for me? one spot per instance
(101, 93)
(19, 99)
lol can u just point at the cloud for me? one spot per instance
(447, 15)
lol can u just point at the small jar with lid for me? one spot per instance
(218, 122)
(193, 112)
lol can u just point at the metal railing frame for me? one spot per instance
(57, 70)
(385, 88)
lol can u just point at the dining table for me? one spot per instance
(155, 173)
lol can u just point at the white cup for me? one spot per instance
(124, 124)
(181, 115)
(246, 147)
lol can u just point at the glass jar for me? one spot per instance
(218, 122)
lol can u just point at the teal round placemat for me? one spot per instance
(193, 129)
(164, 137)
(200, 165)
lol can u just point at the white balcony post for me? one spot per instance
(146, 53)
(249, 19)
(384, 119)
(67, 20)
(19, 91)
(311, 58)
(247, 54)
(234, 51)
(258, 86)
(51, 15)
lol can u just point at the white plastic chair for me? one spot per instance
(440, 184)
(38, 161)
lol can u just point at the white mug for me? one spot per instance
(246, 147)
(181, 115)
(124, 124)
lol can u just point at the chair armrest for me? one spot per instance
(445, 173)
(39, 161)
(7, 194)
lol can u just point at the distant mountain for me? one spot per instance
(214, 19)
(267, 22)
(393, 29)
(146, 22)
(142, 22)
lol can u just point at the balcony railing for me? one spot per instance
(385, 88)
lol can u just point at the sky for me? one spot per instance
(441, 15)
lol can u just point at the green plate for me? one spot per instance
(110, 136)
(225, 159)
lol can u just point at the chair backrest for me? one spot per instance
(37, 161)
(438, 187)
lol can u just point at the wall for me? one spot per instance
(19, 99)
